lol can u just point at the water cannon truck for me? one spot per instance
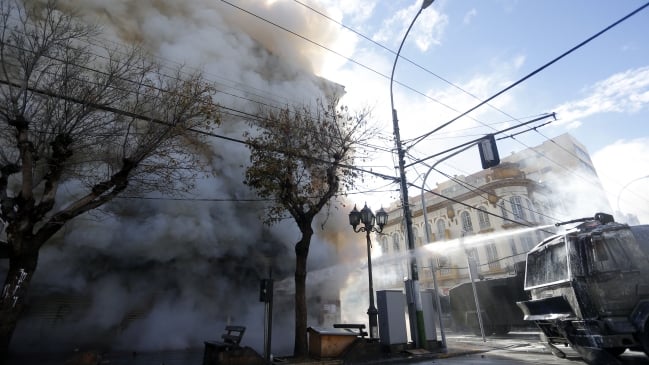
(589, 289)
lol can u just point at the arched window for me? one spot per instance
(441, 229)
(483, 217)
(517, 208)
(384, 244)
(395, 242)
(467, 225)
(503, 210)
(416, 237)
(492, 256)
(429, 226)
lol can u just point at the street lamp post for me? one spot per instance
(420, 337)
(367, 218)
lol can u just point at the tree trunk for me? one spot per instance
(12, 298)
(301, 253)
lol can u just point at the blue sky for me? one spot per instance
(600, 92)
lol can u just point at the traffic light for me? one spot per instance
(266, 290)
(488, 151)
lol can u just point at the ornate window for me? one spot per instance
(467, 225)
(503, 209)
(492, 256)
(416, 237)
(395, 242)
(517, 208)
(483, 218)
(430, 230)
(384, 244)
(441, 229)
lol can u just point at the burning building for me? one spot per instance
(150, 273)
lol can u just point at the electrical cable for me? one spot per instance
(588, 40)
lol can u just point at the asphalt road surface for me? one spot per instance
(514, 348)
(517, 348)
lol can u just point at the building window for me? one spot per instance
(492, 256)
(429, 226)
(473, 261)
(395, 242)
(384, 245)
(517, 208)
(512, 245)
(503, 210)
(483, 218)
(528, 242)
(467, 225)
(416, 237)
(441, 229)
(444, 265)
(530, 209)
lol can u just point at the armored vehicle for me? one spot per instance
(590, 289)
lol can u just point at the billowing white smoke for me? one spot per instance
(165, 274)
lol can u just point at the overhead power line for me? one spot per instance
(195, 130)
(409, 61)
(588, 40)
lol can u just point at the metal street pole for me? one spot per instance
(470, 260)
(420, 337)
(372, 312)
(367, 218)
(428, 239)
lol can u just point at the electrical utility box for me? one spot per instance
(392, 317)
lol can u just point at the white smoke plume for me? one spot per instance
(159, 274)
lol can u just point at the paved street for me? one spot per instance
(516, 348)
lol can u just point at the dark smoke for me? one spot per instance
(157, 274)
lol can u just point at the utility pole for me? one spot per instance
(420, 336)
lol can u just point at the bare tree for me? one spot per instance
(300, 159)
(98, 120)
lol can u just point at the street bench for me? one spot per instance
(358, 329)
(217, 351)
(231, 338)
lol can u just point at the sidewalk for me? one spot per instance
(377, 356)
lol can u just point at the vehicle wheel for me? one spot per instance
(615, 351)
(502, 329)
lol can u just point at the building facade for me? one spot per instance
(494, 216)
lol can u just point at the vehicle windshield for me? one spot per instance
(547, 264)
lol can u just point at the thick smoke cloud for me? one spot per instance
(153, 274)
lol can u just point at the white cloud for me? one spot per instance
(468, 17)
(427, 30)
(622, 168)
(624, 92)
